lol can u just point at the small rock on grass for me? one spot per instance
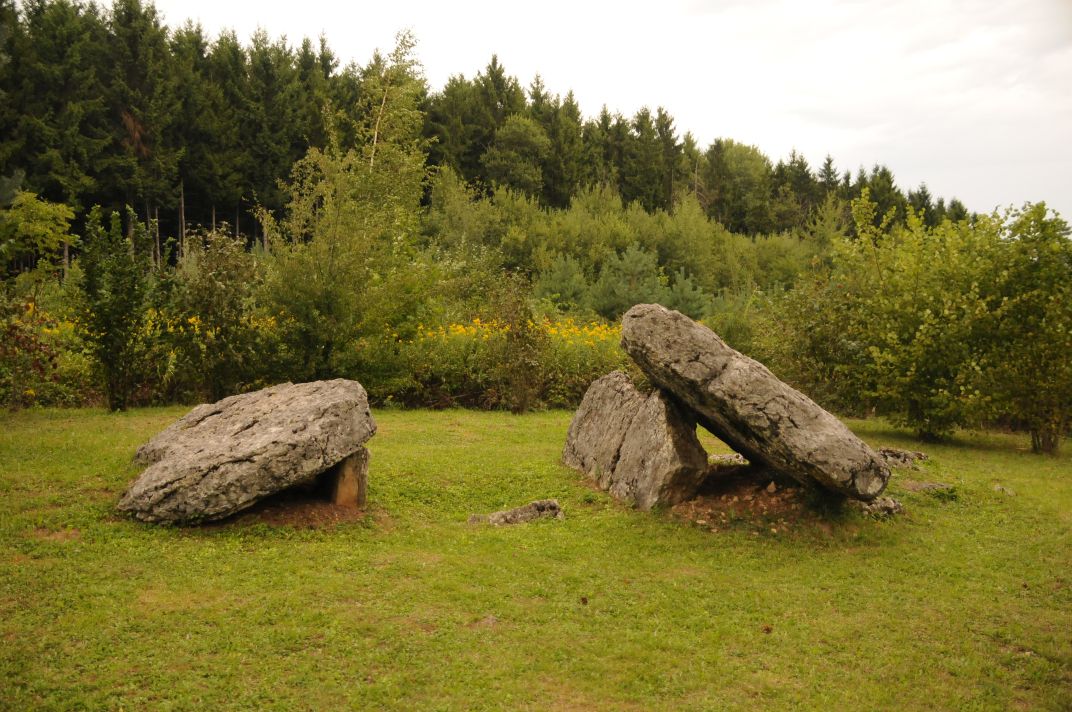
(937, 490)
(914, 486)
(880, 507)
(902, 458)
(540, 509)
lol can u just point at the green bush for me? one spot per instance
(477, 364)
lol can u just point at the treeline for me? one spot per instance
(472, 247)
(108, 106)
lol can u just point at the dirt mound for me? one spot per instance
(748, 499)
(295, 508)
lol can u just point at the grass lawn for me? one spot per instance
(961, 603)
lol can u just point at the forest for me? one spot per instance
(183, 217)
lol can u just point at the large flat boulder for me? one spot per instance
(220, 458)
(640, 448)
(749, 408)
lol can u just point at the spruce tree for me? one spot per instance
(61, 125)
(146, 107)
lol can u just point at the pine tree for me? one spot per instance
(314, 76)
(600, 153)
(738, 179)
(564, 167)
(231, 181)
(921, 202)
(629, 278)
(496, 97)
(61, 124)
(145, 105)
(670, 158)
(563, 284)
(828, 176)
(641, 166)
(270, 127)
(516, 156)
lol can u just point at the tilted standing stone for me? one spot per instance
(640, 448)
(744, 404)
(598, 428)
(220, 458)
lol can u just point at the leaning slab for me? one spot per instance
(220, 458)
(640, 448)
(749, 408)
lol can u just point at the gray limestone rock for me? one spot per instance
(598, 428)
(540, 509)
(880, 507)
(902, 458)
(914, 486)
(222, 457)
(749, 408)
(661, 460)
(640, 448)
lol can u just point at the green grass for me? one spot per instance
(958, 604)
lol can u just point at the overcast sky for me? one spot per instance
(974, 97)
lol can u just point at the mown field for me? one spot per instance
(963, 602)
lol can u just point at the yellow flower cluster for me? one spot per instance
(589, 334)
(48, 324)
(565, 330)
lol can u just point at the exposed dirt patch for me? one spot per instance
(752, 499)
(421, 625)
(295, 508)
(160, 600)
(937, 490)
(488, 621)
(100, 493)
(46, 534)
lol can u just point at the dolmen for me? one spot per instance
(223, 457)
(643, 448)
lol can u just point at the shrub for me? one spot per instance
(476, 364)
(41, 358)
(115, 285)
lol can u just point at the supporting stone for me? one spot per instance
(640, 448)
(350, 486)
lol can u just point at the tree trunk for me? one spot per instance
(156, 236)
(182, 220)
(237, 218)
(1046, 438)
(66, 259)
(213, 217)
(154, 248)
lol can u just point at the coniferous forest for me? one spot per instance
(186, 216)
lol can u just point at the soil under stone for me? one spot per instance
(749, 499)
(300, 508)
